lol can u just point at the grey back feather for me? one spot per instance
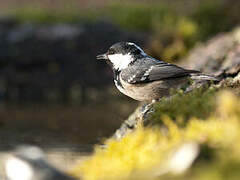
(148, 69)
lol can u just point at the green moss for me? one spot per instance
(200, 104)
(174, 28)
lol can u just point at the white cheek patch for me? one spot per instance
(120, 61)
(17, 169)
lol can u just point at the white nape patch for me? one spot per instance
(142, 52)
(120, 61)
(17, 169)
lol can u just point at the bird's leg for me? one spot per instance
(147, 107)
(145, 111)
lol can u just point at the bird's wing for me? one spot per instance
(154, 71)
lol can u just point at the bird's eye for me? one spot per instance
(111, 51)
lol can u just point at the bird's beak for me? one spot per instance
(102, 56)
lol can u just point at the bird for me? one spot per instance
(29, 163)
(145, 78)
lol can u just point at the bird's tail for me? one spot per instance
(204, 77)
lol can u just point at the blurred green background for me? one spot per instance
(52, 89)
(174, 26)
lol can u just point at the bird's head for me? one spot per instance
(121, 54)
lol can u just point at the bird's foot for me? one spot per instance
(146, 110)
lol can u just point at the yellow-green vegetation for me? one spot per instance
(206, 147)
(200, 104)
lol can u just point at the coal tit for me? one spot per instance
(143, 77)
